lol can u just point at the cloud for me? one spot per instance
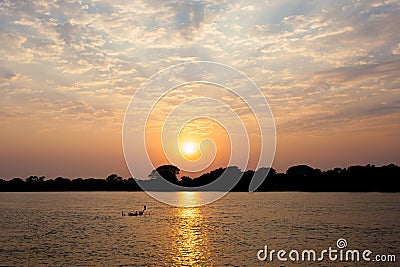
(6, 77)
(189, 16)
(364, 71)
(10, 76)
(321, 64)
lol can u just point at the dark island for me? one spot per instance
(304, 178)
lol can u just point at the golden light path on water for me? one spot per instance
(189, 236)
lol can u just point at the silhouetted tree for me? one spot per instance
(186, 181)
(301, 171)
(17, 184)
(35, 179)
(297, 178)
(269, 175)
(35, 183)
(303, 178)
(114, 178)
(168, 172)
(132, 185)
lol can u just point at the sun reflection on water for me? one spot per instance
(189, 235)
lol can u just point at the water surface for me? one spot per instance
(87, 229)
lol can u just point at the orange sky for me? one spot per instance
(329, 71)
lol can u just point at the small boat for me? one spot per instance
(136, 213)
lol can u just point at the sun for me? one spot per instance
(189, 148)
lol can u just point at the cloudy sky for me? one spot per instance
(68, 69)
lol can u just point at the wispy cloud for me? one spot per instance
(322, 64)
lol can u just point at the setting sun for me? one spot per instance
(189, 148)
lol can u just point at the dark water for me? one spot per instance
(87, 229)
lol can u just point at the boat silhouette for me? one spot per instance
(136, 213)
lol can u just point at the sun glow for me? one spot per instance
(189, 148)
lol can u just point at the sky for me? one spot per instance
(330, 71)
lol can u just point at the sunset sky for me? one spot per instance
(330, 71)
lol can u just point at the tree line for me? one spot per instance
(367, 178)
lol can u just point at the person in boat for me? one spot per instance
(136, 213)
